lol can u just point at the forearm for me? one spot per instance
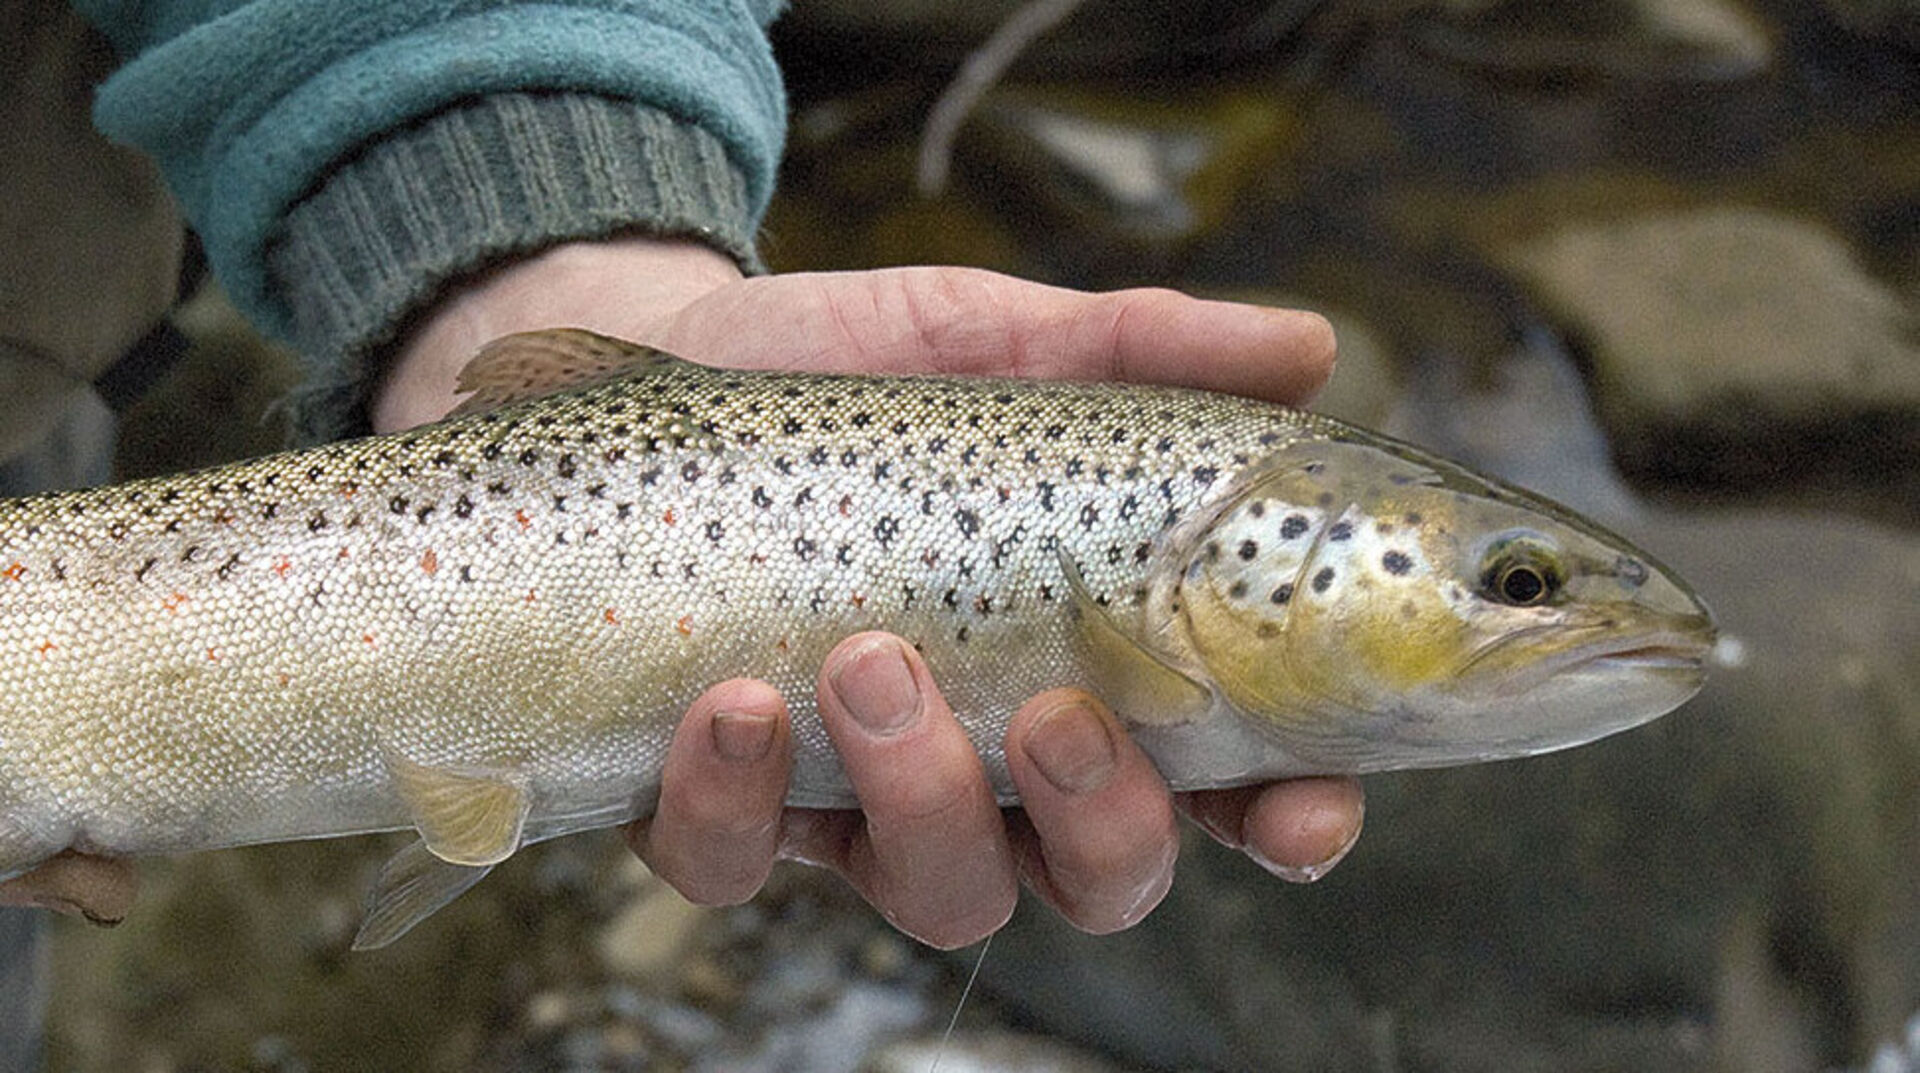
(347, 163)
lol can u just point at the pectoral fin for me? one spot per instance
(1140, 686)
(527, 365)
(412, 886)
(466, 816)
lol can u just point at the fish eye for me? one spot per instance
(1521, 574)
(1523, 584)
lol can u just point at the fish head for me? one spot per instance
(1381, 608)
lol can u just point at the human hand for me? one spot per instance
(929, 847)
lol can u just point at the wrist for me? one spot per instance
(629, 287)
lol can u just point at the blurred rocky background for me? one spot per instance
(1658, 258)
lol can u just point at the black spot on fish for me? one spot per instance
(760, 497)
(1257, 508)
(1248, 549)
(1413, 517)
(317, 522)
(804, 548)
(1323, 580)
(1396, 562)
(715, 531)
(690, 472)
(1238, 590)
(1282, 594)
(791, 427)
(1293, 526)
(1205, 474)
(1340, 531)
(424, 513)
(1089, 516)
(398, 504)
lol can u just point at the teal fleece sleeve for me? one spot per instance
(251, 106)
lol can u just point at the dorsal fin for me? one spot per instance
(1140, 687)
(528, 365)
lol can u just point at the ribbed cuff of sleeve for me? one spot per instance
(471, 186)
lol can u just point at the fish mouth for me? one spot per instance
(1679, 649)
(1684, 654)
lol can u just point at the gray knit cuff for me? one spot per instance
(471, 186)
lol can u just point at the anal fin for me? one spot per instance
(466, 816)
(412, 886)
(528, 365)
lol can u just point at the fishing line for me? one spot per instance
(941, 1051)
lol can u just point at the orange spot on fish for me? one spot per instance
(285, 678)
(47, 647)
(756, 558)
(174, 602)
(430, 563)
(223, 517)
(669, 518)
(343, 553)
(280, 568)
(530, 596)
(781, 644)
(213, 654)
(685, 625)
(612, 619)
(846, 506)
(347, 491)
(859, 601)
(521, 517)
(14, 572)
(367, 637)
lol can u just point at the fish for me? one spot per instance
(486, 629)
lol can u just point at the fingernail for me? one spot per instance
(742, 737)
(875, 685)
(1072, 749)
(1309, 873)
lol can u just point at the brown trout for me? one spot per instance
(487, 629)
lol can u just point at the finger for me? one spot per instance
(1104, 836)
(932, 852)
(717, 826)
(973, 322)
(1297, 829)
(101, 889)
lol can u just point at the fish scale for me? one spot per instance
(511, 609)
